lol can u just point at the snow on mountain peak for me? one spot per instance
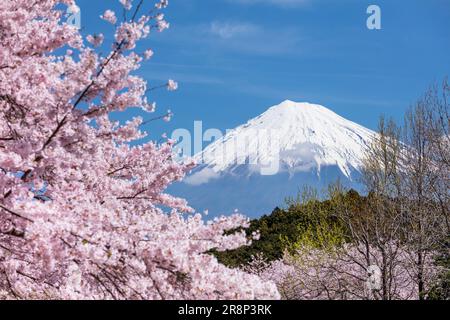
(296, 137)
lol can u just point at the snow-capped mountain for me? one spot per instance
(254, 167)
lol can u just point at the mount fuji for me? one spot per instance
(254, 167)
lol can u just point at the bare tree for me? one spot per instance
(426, 177)
(374, 225)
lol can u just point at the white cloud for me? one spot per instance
(279, 3)
(218, 37)
(227, 30)
(201, 177)
(250, 38)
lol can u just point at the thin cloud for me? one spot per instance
(220, 37)
(201, 177)
(250, 38)
(228, 30)
(278, 3)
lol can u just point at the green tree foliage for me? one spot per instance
(305, 220)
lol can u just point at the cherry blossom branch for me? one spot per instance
(15, 214)
(165, 116)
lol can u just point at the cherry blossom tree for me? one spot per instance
(349, 272)
(83, 213)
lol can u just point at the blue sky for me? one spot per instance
(235, 58)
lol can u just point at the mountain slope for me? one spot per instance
(255, 166)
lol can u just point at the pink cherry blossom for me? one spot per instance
(172, 85)
(96, 40)
(343, 273)
(148, 54)
(168, 117)
(109, 16)
(81, 205)
(126, 4)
